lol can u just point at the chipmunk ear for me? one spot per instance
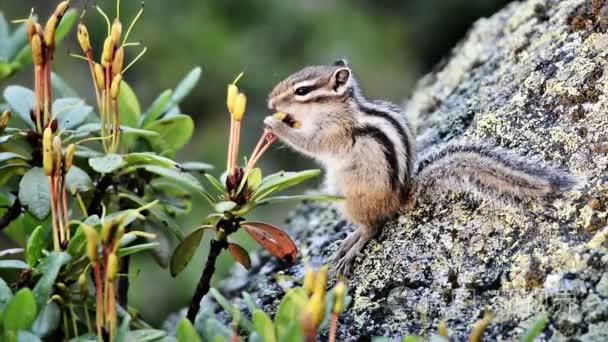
(341, 79)
(341, 62)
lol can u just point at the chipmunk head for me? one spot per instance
(315, 94)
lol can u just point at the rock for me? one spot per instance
(531, 78)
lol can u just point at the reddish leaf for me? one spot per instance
(273, 239)
(239, 254)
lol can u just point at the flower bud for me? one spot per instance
(315, 311)
(100, 76)
(108, 52)
(61, 8)
(116, 32)
(339, 292)
(309, 281)
(69, 156)
(115, 88)
(31, 29)
(233, 92)
(240, 104)
(279, 116)
(321, 281)
(4, 118)
(443, 329)
(112, 267)
(83, 38)
(50, 29)
(108, 231)
(47, 151)
(56, 153)
(296, 125)
(57, 299)
(37, 50)
(92, 240)
(83, 283)
(119, 61)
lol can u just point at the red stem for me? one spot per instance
(333, 327)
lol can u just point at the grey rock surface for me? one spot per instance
(531, 78)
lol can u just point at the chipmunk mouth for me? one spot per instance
(287, 119)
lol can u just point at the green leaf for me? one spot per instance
(26, 336)
(281, 181)
(145, 335)
(168, 136)
(536, 329)
(77, 180)
(42, 290)
(70, 112)
(293, 332)
(137, 248)
(225, 206)
(186, 85)
(35, 244)
(34, 193)
(48, 320)
(126, 130)
(289, 310)
(123, 330)
(158, 214)
(158, 107)
(250, 302)
(21, 101)
(5, 295)
(215, 183)
(149, 158)
(5, 156)
(13, 264)
(161, 254)
(263, 326)
(255, 178)
(231, 310)
(185, 180)
(186, 332)
(106, 164)
(130, 110)
(316, 198)
(196, 166)
(20, 312)
(185, 251)
(85, 338)
(61, 88)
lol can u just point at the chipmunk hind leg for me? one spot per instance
(350, 248)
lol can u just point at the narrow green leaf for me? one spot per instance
(158, 107)
(255, 178)
(158, 214)
(149, 158)
(34, 193)
(289, 310)
(126, 130)
(195, 166)
(130, 110)
(536, 329)
(123, 329)
(13, 264)
(281, 181)
(263, 325)
(250, 302)
(35, 244)
(77, 180)
(315, 198)
(137, 248)
(187, 181)
(230, 309)
(186, 332)
(5, 156)
(145, 335)
(20, 312)
(106, 164)
(215, 183)
(185, 251)
(186, 85)
(42, 290)
(26, 336)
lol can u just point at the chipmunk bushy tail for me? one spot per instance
(488, 172)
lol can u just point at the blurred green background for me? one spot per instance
(389, 43)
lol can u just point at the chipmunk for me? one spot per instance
(368, 151)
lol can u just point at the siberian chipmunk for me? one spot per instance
(368, 150)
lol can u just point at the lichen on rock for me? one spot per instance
(532, 79)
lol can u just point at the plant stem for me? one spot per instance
(333, 327)
(11, 214)
(202, 289)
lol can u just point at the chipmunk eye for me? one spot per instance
(301, 91)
